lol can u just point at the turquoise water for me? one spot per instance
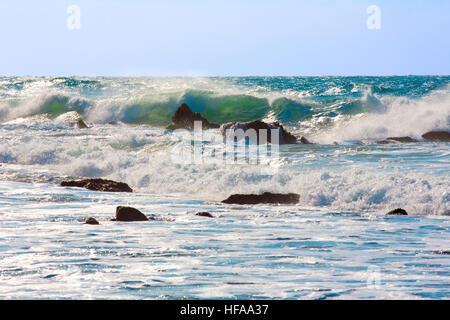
(336, 243)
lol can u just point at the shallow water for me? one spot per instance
(287, 252)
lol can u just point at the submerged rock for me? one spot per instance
(397, 139)
(91, 220)
(442, 251)
(262, 132)
(437, 136)
(403, 139)
(129, 214)
(98, 185)
(184, 119)
(385, 142)
(204, 214)
(266, 197)
(398, 211)
(81, 124)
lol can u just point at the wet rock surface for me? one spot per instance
(403, 139)
(98, 185)
(262, 132)
(398, 211)
(266, 197)
(184, 118)
(127, 214)
(81, 124)
(204, 214)
(90, 220)
(437, 136)
(303, 140)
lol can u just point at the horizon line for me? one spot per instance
(225, 76)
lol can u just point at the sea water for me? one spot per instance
(336, 242)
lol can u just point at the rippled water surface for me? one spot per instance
(288, 252)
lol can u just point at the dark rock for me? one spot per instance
(262, 133)
(397, 139)
(90, 221)
(184, 119)
(113, 123)
(398, 211)
(266, 197)
(437, 136)
(303, 140)
(403, 139)
(204, 214)
(385, 142)
(98, 185)
(442, 251)
(129, 214)
(81, 124)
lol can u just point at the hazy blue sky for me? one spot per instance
(226, 37)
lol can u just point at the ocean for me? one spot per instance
(336, 243)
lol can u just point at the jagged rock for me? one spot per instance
(266, 197)
(398, 211)
(128, 214)
(81, 124)
(204, 214)
(98, 185)
(437, 136)
(90, 221)
(262, 132)
(184, 119)
(303, 140)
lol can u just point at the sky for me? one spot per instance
(224, 37)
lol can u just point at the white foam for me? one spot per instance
(142, 157)
(394, 117)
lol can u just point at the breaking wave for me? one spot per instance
(38, 146)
